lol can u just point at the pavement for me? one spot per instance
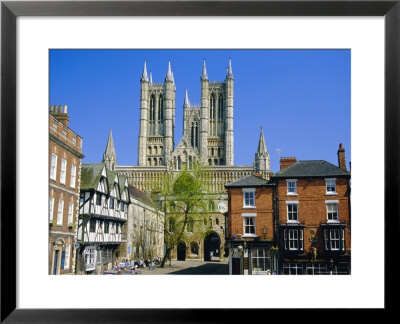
(187, 267)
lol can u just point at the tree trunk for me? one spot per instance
(167, 253)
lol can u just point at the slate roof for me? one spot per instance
(249, 181)
(140, 195)
(317, 168)
(90, 175)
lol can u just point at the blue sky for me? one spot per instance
(300, 97)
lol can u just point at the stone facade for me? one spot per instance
(144, 230)
(207, 139)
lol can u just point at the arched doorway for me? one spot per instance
(181, 251)
(212, 244)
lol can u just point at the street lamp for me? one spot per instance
(264, 231)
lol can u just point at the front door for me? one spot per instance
(181, 251)
(236, 266)
(55, 262)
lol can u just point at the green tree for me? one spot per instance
(186, 202)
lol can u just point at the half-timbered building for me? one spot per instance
(103, 210)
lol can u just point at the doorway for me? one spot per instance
(212, 249)
(181, 251)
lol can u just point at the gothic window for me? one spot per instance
(222, 162)
(148, 162)
(209, 162)
(212, 152)
(160, 109)
(212, 114)
(192, 135)
(220, 107)
(179, 163)
(190, 162)
(155, 161)
(215, 162)
(194, 248)
(149, 150)
(155, 150)
(212, 110)
(152, 108)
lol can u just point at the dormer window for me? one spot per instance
(249, 200)
(330, 186)
(291, 187)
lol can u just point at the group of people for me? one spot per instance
(127, 264)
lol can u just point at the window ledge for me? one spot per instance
(249, 235)
(333, 222)
(292, 194)
(249, 207)
(331, 194)
(292, 222)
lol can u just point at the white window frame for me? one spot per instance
(63, 171)
(332, 202)
(90, 258)
(60, 212)
(298, 239)
(245, 217)
(70, 213)
(327, 181)
(67, 256)
(73, 176)
(260, 256)
(249, 191)
(53, 166)
(292, 202)
(289, 193)
(51, 208)
(334, 240)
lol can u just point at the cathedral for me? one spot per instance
(208, 139)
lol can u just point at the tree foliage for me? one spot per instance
(186, 200)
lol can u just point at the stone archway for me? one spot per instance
(212, 244)
(181, 251)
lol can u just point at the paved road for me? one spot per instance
(190, 267)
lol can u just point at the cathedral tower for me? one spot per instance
(216, 119)
(157, 119)
(109, 156)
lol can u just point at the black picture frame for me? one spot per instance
(10, 10)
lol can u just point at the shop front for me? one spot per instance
(252, 257)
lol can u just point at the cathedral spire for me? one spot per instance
(187, 103)
(109, 156)
(150, 79)
(170, 75)
(229, 73)
(204, 75)
(261, 160)
(262, 147)
(144, 74)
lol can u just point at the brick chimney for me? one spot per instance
(287, 161)
(341, 157)
(59, 112)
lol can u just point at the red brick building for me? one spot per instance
(313, 216)
(250, 226)
(296, 223)
(65, 154)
